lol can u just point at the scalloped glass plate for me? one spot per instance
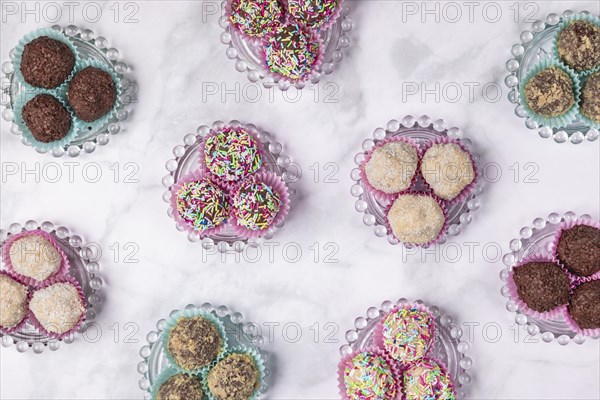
(89, 47)
(247, 55)
(238, 333)
(448, 348)
(536, 44)
(423, 130)
(537, 239)
(82, 258)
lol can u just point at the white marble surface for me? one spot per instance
(175, 52)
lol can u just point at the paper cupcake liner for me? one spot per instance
(315, 67)
(442, 233)
(258, 361)
(561, 120)
(565, 22)
(196, 312)
(21, 101)
(18, 326)
(378, 337)
(443, 368)
(468, 190)
(573, 325)
(395, 370)
(513, 292)
(278, 185)
(255, 40)
(323, 26)
(554, 246)
(52, 34)
(164, 375)
(38, 324)
(582, 117)
(379, 194)
(191, 177)
(103, 120)
(62, 270)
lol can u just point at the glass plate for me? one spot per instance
(423, 130)
(448, 348)
(89, 47)
(248, 59)
(186, 161)
(82, 258)
(238, 333)
(537, 44)
(537, 239)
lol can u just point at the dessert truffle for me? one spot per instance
(447, 169)
(578, 249)
(313, 13)
(579, 45)
(550, 92)
(292, 51)
(256, 205)
(392, 167)
(46, 118)
(255, 18)
(13, 302)
(194, 343)
(543, 286)
(91, 94)
(46, 62)
(407, 333)
(235, 377)
(181, 387)
(232, 154)
(425, 379)
(202, 204)
(589, 104)
(584, 306)
(34, 256)
(369, 376)
(58, 307)
(416, 218)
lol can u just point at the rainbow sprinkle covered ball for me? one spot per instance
(313, 13)
(256, 18)
(407, 334)
(369, 376)
(232, 154)
(255, 205)
(426, 380)
(202, 204)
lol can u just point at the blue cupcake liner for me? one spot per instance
(582, 117)
(52, 34)
(22, 99)
(258, 361)
(172, 321)
(83, 126)
(565, 22)
(164, 375)
(561, 120)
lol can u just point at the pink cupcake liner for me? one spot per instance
(378, 337)
(255, 40)
(278, 185)
(379, 194)
(59, 336)
(395, 370)
(554, 246)
(315, 67)
(16, 328)
(468, 190)
(62, 270)
(191, 177)
(440, 202)
(573, 325)
(443, 368)
(513, 292)
(325, 25)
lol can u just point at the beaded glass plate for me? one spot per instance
(186, 160)
(536, 44)
(248, 59)
(238, 333)
(90, 48)
(537, 239)
(84, 268)
(448, 348)
(423, 130)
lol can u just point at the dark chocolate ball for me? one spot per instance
(579, 249)
(579, 45)
(46, 62)
(584, 305)
(91, 93)
(543, 286)
(47, 119)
